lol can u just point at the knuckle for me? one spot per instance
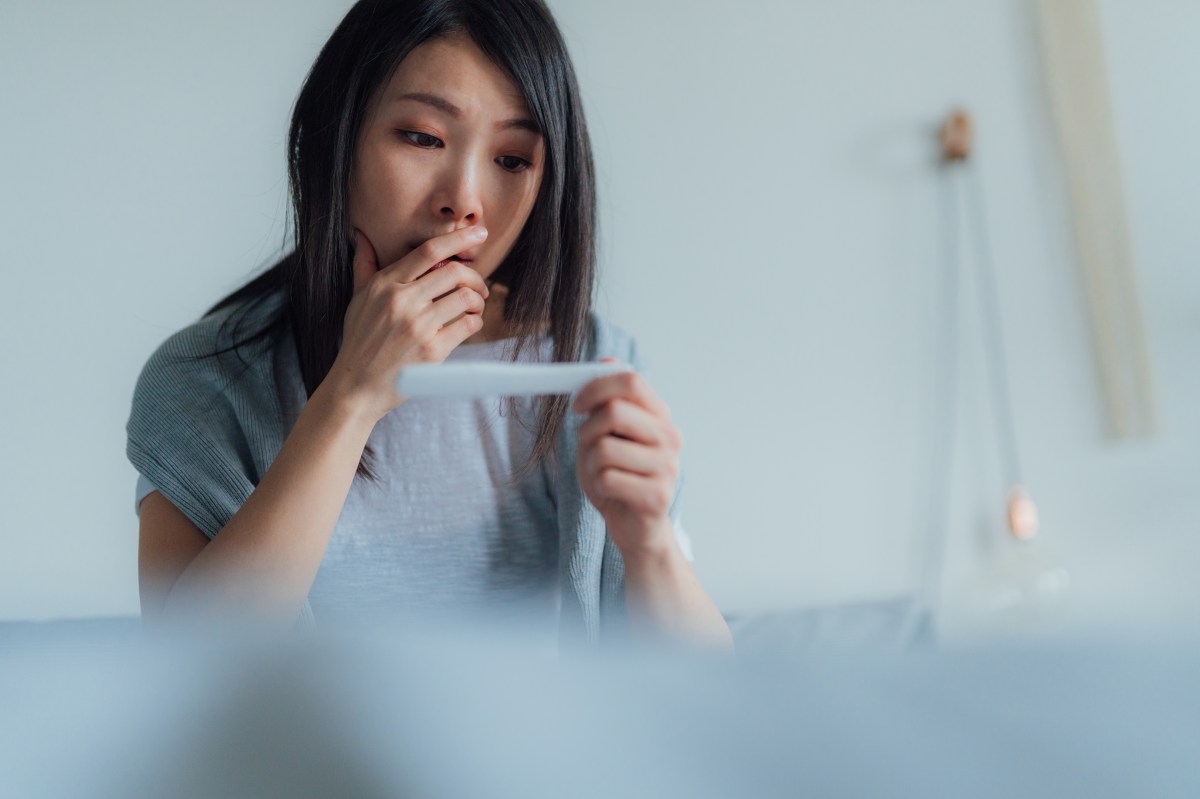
(470, 299)
(428, 251)
(662, 498)
(420, 327)
(609, 413)
(405, 323)
(396, 304)
(427, 350)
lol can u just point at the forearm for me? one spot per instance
(665, 597)
(263, 562)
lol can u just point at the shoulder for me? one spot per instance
(206, 359)
(217, 343)
(205, 420)
(611, 340)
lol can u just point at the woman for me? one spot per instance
(443, 196)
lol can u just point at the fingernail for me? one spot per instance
(478, 232)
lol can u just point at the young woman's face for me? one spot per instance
(448, 143)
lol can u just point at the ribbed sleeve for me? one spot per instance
(203, 426)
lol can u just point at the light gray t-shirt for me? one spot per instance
(444, 530)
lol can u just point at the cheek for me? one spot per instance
(512, 208)
(381, 188)
(382, 203)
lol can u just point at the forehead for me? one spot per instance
(455, 67)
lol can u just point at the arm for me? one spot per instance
(628, 465)
(664, 594)
(262, 564)
(264, 560)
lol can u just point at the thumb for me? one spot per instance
(366, 262)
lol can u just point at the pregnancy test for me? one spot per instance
(500, 379)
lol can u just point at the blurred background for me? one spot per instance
(775, 220)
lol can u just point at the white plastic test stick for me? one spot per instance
(500, 379)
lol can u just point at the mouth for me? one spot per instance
(452, 259)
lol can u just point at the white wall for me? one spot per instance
(770, 212)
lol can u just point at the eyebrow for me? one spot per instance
(444, 105)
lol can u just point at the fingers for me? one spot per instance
(620, 417)
(455, 333)
(445, 293)
(366, 262)
(611, 452)
(439, 283)
(625, 385)
(628, 454)
(464, 300)
(650, 497)
(434, 251)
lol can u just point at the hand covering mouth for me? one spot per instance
(465, 256)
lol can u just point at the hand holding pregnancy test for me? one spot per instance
(627, 462)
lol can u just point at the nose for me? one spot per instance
(457, 197)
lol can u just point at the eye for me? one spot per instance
(513, 164)
(419, 139)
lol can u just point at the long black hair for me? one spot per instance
(550, 272)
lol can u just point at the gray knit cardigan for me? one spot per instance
(204, 430)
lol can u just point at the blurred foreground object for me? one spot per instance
(475, 715)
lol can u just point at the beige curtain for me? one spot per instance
(1072, 45)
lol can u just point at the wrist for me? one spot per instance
(653, 549)
(333, 408)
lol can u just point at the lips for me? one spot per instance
(451, 259)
